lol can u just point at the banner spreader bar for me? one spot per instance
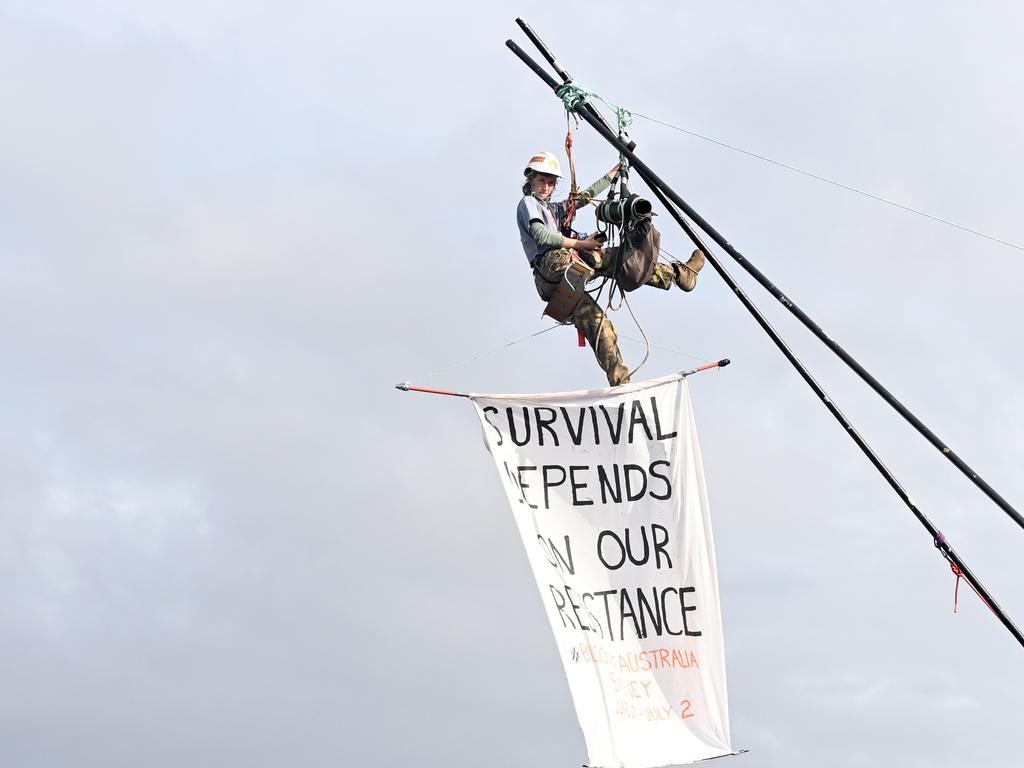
(407, 386)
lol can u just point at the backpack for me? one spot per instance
(638, 255)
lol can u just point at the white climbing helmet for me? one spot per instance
(544, 162)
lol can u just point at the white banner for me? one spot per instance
(607, 489)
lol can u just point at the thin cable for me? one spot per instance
(574, 96)
(488, 353)
(833, 182)
(669, 349)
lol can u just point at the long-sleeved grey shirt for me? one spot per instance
(539, 220)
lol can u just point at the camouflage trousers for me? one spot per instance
(588, 317)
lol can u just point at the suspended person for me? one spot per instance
(550, 253)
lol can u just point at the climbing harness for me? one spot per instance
(618, 217)
(621, 217)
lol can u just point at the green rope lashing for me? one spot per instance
(573, 97)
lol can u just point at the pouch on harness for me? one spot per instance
(569, 291)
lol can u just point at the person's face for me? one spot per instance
(544, 184)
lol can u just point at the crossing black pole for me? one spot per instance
(671, 200)
(653, 180)
(937, 537)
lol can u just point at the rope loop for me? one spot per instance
(956, 589)
(943, 546)
(623, 115)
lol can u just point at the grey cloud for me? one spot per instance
(226, 232)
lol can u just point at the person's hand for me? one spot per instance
(590, 244)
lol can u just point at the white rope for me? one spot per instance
(647, 342)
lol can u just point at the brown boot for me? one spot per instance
(618, 375)
(686, 274)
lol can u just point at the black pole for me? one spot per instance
(556, 64)
(665, 195)
(543, 48)
(783, 299)
(937, 537)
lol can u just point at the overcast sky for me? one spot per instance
(227, 231)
